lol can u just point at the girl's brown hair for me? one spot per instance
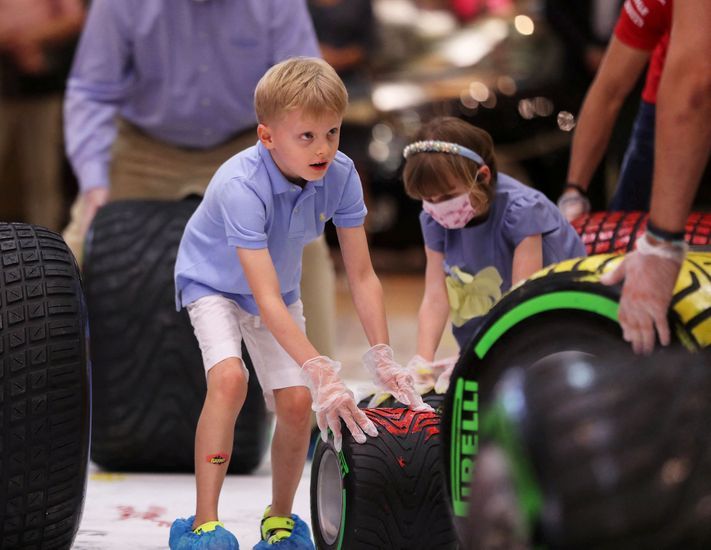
(428, 174)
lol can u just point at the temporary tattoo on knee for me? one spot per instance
(219, 458)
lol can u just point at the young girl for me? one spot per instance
(483, 231)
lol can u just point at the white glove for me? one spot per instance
(572, 204)
(393, 378)
(333, 401)
(431, 375)
(650, 273)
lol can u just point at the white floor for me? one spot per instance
(134, 511)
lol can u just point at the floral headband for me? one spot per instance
(433, 146)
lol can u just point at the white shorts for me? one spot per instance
(220, 325)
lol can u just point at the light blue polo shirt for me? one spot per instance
(250, 204)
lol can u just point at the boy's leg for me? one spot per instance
(289, 445)
(226, 392)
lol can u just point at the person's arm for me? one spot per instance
(682, 146)
(434, 309)
(366, 290)
(66, 23)
(263, 281)
(367, 294)
(98, 83)
(292, 31)
(528, 258)
(683, 132)
(619, 72)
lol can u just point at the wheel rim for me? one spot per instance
(330, 497)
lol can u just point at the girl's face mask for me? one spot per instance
(453, 213)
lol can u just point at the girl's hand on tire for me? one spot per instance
(333, 402)
(393, 378)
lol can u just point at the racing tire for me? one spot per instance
(617, 451)
(45, 390)
(563, 309)
(607, 232)
(387, 493)
(556, 313)
(149, 379)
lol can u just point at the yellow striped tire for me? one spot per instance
(562, 308)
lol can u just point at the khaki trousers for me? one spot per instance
(31, 138)
(144, 168)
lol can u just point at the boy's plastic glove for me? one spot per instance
(393, 378)
(332, 400)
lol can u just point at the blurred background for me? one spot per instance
(517, 68)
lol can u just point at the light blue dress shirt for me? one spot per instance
(182, 71)
(250, 204)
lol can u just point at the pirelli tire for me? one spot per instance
(607, 232)
(607, 454)
(563, 309)
(44, 390)
(149, 380)
(387, 493)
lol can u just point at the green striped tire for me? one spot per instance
(587, 453)
(562, 308)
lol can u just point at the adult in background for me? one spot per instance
(161, 94)
(682, 146)
(37, 39)
(642, 31)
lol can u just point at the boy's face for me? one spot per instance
(302, 146)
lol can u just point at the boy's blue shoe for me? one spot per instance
(282, 533)
(208, 536)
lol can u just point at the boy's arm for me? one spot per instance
(262, 278)
(528, 258)
(368, 300)
(434, 310)
(365, 286)
(332, 401)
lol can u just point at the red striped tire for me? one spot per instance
(607, 232)
(386, 493)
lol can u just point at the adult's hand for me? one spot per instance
(572, 204)
(91, 201)
(649, 275)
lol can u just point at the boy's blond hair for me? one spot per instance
(305, 83)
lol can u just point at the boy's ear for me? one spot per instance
(264, 134)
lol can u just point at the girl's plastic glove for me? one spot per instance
(431, 375)
(393, 378)
(333, 401)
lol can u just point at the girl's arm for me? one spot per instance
(262, 278)
(434, 310)
(528, 258)
(365, 286)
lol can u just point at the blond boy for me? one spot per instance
(238, 272)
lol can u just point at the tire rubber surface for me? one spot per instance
(44, 390)
(149, 380)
